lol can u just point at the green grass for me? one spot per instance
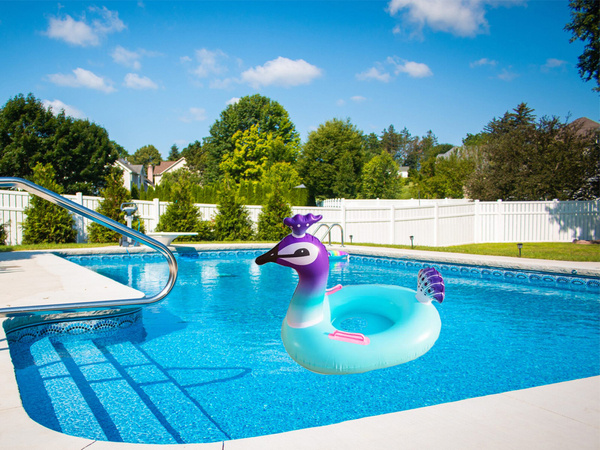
(15, 248)
(560, 251)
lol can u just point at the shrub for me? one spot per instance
(114, 195)
(3, 235)
(232, 221)
(182, 215)
(270, 219)
(45, 221)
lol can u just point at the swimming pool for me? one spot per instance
(207, 364)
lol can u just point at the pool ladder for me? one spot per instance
(52, 197)
(328, 231)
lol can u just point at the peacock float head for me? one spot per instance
(299, 250)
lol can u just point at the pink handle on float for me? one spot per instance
(333, 290)
(352, 338)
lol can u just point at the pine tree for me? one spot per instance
(113, 195)
(182, 215)
(232, 221)
(3, 234)
(47, 222)
(270, 219)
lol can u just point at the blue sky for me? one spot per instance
(161, 72)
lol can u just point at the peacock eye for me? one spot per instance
(299, 254)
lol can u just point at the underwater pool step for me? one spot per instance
(109, 384)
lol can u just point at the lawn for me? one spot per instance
(561, 251)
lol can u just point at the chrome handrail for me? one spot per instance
(328, 231)
(109, 223)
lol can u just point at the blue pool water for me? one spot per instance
(207, 364)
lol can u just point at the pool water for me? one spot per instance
(207, 363)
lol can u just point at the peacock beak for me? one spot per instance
(270, 256)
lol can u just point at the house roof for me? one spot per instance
(164, 166)
(587, 125)
(135, 168)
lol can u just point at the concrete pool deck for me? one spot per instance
(563, 415)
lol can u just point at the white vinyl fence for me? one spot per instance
(431, 223)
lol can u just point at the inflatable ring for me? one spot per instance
(351, 329)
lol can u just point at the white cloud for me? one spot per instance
(507, 75)
(232, 101)
(553, 63)
(72, 31)
(358, 98)
(341, 102)
(127, 58)
(211, 62)
(82, 33)
(281, 72)
(411, 68)
(459, 17)
(82, 78)
(194, 115)
(109, 21)
(380, 73)
(56, 106)
(374, 74)
(134, 81)
(483, 62)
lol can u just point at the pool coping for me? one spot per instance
(551, 416)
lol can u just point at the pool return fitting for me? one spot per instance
(52, 197)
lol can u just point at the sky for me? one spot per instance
(161, 72)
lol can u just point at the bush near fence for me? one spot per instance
(430, 223)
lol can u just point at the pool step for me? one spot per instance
(108, 385)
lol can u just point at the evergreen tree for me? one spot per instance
(270, 219)
(585, 17)
(525, 160)
(181, 214)
(3, 234)
(174, 154)
(232, 221)
(47, 222)
(114, 195)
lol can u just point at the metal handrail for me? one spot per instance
(328, 231)
(109, 223)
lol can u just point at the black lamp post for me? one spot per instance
(519, 246)
(411, 241)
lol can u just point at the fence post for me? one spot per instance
(392, 224)
(436, 219)
(476, 222)
(499, 234)
(155, 214)
(343, 212)
(79, 220)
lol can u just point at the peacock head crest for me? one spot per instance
(299, 250)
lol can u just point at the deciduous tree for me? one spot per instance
(148, 155)
(268, 115)
(380, 177)
(332, 160)
(80, 151)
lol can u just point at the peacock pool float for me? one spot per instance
(396, 324)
